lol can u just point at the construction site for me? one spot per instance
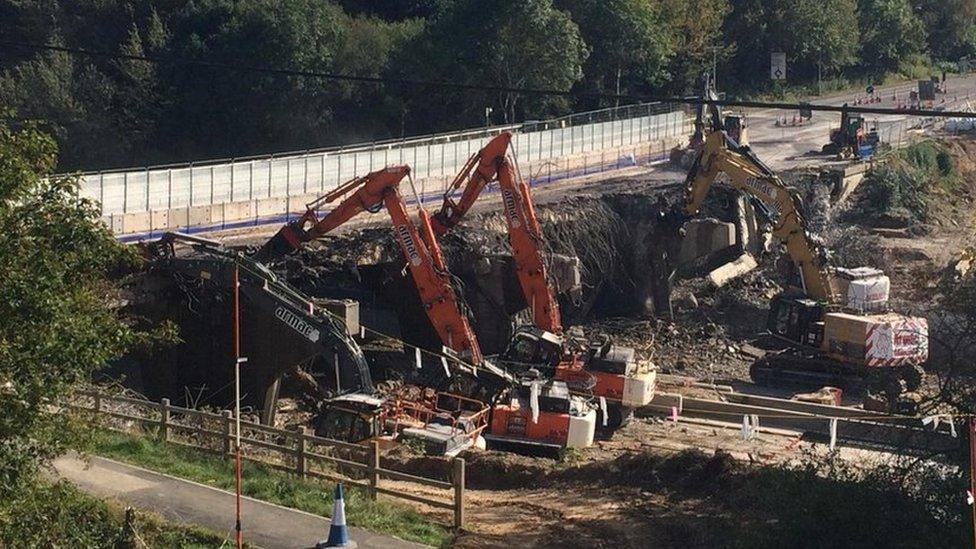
(613, 344)
(469, 273)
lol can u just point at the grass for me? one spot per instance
(59, 515)
(269, 485)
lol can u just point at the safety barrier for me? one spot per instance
(181, 196)
(259, 211)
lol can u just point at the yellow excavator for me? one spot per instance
(835, 320)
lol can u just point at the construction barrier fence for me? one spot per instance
(251, 188)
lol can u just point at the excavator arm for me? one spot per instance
(750, 175)
(424, 258)
(524, 232)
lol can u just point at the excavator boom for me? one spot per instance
(750, 175)
(423, 255)
(524, 232)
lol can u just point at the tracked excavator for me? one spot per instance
(590, 368)
(518, 417)
(835, 321)
(294, 329)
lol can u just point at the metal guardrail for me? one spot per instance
(292, 451)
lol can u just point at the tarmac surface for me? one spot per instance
(186, 502)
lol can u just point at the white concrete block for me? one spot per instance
(722, 275)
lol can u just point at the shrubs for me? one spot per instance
(59, 515)
(901, 191)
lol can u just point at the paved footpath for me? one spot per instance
(183, 501)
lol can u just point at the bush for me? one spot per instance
(824, 501)
(59, 515)
(905, 186)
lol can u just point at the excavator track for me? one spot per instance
(805, 369)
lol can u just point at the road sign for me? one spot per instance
(777, 65)
(926, 90)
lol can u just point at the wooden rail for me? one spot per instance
(288, 450)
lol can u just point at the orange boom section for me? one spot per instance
(423, 255)
(524, 233)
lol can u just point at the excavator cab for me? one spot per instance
(532, 346)
(350, 418)
(852, 139)
(796, 319)
(734, 125)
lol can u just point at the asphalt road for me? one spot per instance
(791, 147)
(183, 501)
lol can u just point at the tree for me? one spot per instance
(138, 100)
(56, 325)
(810, 32)
(217, 112)
(696, 38)
(951, 27)
(507, 43)
(629, 41)
(891, 33)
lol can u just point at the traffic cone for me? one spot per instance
(338, 533)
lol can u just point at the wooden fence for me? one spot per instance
(290, 450)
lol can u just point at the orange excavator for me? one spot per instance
(600, 368)
(423, 255)
(553, 420)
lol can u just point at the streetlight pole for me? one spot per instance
(487, 117)
(819, 78)
(715, 67)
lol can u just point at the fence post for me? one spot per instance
(457, 478)
(300, 451)
(164, 419)
(228, 421)
(374, 465)
(98, 402)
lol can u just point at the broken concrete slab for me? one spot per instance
(703, 237)
(740, 266)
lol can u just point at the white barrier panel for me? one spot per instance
(169, 187)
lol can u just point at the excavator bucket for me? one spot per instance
(287, 240)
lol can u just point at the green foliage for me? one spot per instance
(58, 515)
(891, 33)
(696, 39)
(906, 185)
(109, 113)
(951, 26)
(56, 326)
(810, 32)
(269, 485)
(514, 43)
(824, 501)
(631, 44)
